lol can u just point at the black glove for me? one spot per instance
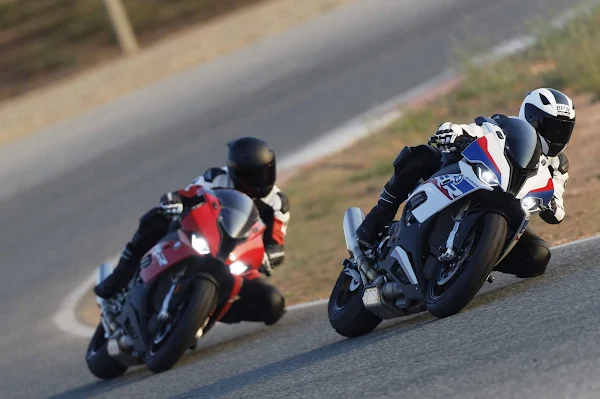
(266, 267)
(276, 254)
(171, 205)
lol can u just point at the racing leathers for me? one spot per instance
(528, 258)
(259, 300)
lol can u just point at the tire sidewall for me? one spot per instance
(201, 303)
(472, 277)
(353, 319)
(101, 364)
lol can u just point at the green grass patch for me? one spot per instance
(567, 59)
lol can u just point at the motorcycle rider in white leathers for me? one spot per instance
(550, 112)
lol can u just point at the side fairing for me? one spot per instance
(538, 186)
(489, 151)
(444, 190)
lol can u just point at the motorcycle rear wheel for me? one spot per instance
(347, 313)
(194, 312)
(99, 362)
(482, 249)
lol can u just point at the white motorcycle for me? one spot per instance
(455, 228)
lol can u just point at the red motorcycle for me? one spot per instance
(184, 285)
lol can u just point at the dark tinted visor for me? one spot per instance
(556, 130)
(256, 176)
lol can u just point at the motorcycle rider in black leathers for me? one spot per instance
(251, 169)
(551, 113)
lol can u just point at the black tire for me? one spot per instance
(202, 301)
(489, 233)
(347, 314)
(99, 361)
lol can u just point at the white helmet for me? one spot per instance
(552, 114)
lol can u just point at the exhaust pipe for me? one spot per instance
(352, 220)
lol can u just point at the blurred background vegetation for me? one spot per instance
(41, 40)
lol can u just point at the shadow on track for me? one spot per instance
(395, 327)
(242, 336)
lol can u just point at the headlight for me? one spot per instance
(529, 203)
(238, 267)
(200, 245)
(486, 175)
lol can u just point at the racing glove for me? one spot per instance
(171, 205)
(266, 267)
(450, 137)
(274, 256)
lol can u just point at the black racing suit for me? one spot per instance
(528, 258)
(259, 300)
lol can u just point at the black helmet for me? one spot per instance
(552, 114)
(251, 165)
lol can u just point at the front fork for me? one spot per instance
(448, 254)
(163, 315)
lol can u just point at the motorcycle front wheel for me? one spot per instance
(171, 341)
(453, 285)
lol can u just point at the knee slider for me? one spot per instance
(541, 254)
(276, 307)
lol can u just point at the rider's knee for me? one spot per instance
(540, 255)
(276, 306)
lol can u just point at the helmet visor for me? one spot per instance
(256, 176)
(556, 131)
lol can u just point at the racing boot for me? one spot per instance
(381, 214)
(153, 225)
(120, 276)
(411, 165)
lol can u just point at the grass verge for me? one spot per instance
(42, 40)
(567, 58)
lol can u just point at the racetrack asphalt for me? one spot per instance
(531, 338)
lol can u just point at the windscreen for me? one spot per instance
(238, 212)
(522, 142)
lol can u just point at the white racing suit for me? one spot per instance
(528, 258)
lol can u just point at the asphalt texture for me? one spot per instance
(75, 201)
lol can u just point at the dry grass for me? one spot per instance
(76, 93)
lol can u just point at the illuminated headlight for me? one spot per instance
(529, 203)
(486, 175)
(200, 245)
(238, 267)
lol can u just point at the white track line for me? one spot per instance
(331, 142)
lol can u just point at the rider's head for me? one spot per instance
(251, 165)
(552, 114)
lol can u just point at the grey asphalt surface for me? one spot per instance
(78, 202)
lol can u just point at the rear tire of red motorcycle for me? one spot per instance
(99, 361)
(202, 302)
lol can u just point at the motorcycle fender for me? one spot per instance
(444, 190)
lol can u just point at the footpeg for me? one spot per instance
(490, 278)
